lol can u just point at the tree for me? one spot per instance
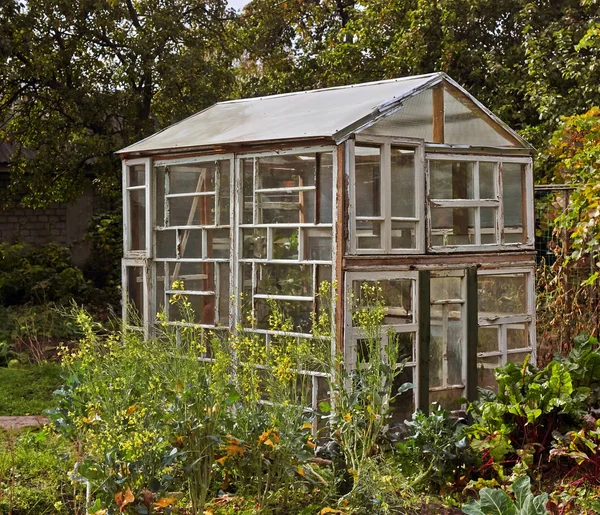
(80, 79)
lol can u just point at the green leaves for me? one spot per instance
(497, 502)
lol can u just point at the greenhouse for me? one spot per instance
(410, 183)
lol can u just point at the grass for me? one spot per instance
(27, 390)
(34, 469)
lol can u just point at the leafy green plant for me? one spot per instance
(497, 502)
(435, 452)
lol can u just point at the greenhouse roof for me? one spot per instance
(322, 113)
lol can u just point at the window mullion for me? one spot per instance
(385, 196)
(477, 196)
(500, 210)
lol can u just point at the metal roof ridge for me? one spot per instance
(318, 90)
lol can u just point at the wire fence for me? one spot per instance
(566, 306)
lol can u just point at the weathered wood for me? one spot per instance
(438, 113)
(472, 333)
(423, 359)
(357, 263)
(339, 248)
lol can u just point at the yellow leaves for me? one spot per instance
(348, 417)
(131, 410)
(270, 438)
(99, 512)
(123, 499)
(300, 471)
(163, 502)
(311, 444)
(221, 461)
(233, 450)
(307, 425)
(326, 510)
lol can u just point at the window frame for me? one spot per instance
(498, 202)
(168, 263)
(269, 228)
(502, 322)
(385, 144)
(148, 212)
(353, 334)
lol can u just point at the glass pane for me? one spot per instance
(254, 243)
(404, 235)
(137, 220)
(135, 290)
(489, 234)
(159, 198)
(367, 181)
(248, 190)
(446, 347)
(281, 172)
(404, 405)
(190, 243)
(194, 276)
(485, 372)
(502, 294)
(192, 178)
(368, 234)
(274, 279)
(166, 244)
(466, 124)
(325, 187)
(413, 120)
(447, 399)
(512, 195)
(396, 295)
(517, 336)
(285, 243)
(192, 210)
(437, 349)
(405, 342)
(246, 287)
(217, 243)
(518, 358)
(453, 225)
(403, 183)
(487, 180)
(451, 180)
(224, 201)
(202, 310)
(224, 296)
(137, 175)
(296, 313)
(446, 288)
(488, 339)
(318, 244)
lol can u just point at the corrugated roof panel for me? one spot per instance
(306, 114)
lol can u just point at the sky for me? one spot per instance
(237, 4)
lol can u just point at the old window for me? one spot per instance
(136, 180)
(478, 202)
(192, 239)
(135, 293)
(506, 314)
(447, 347)
(399, 327)
(385, 185)
(286, 234)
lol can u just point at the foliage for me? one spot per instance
(435, 452)
(80, 80)
(497, 502)
(33, 474)
(39, 274)
(582, 447)
(531, 404)
(28, 389)
(105, 234)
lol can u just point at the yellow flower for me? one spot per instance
(347, 417)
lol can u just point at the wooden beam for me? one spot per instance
(438, 113)
(472, 333)
(339, 249)
(423, 360)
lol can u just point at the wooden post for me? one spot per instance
(424, 317)
(438, 113)
(339, 249)
(472, 333)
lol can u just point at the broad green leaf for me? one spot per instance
(522, 490)
(496, 502)
(473, 508)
